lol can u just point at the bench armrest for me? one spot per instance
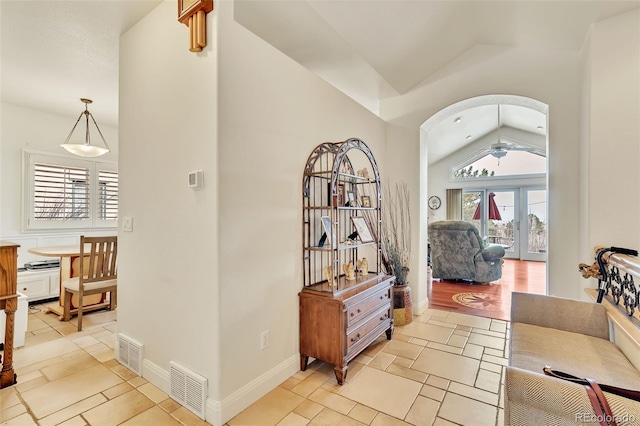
(562, 314)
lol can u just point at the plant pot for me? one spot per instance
(402, 306)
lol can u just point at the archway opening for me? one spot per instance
(493, 127)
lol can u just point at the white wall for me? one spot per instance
(612, 139)
(24, 128)
(204, 274)
(406, 169)
(273, 113)
(168, 296)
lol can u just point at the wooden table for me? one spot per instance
(9, 303)
(70, 267)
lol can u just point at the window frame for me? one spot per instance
(93, 221)
(481, 154)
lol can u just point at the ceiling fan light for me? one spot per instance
(498, 153)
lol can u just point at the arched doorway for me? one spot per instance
(457, 135)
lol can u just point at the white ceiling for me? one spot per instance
(55, 52)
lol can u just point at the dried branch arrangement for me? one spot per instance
(395, 238)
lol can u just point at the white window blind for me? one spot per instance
(69, 193)
(60, 192)
(108, 194)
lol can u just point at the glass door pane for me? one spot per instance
(472, 208)
(537, 225)
(502, 221)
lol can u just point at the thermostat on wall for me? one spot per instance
(196, 179)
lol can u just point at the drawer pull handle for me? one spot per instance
(24, 289)
(384, 317)
(355, 339)
(359, 311)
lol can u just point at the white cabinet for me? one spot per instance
(39, 285)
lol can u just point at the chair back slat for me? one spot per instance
(101, 254)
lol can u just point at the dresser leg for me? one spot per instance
(303, 362)
(341, 373)
(389, 332)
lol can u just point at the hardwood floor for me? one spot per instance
(491, 300)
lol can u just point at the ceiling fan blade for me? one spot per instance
(521, 148)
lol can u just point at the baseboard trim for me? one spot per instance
(157, 376)
(423, 305)
(219, 412)
(222, 411)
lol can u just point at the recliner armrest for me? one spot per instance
(493, 253)
(570, 315)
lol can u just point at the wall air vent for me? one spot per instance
(130, 353)
(188, 388)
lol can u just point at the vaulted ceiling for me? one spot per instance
(54, 53)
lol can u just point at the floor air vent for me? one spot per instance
(188, 388)
(130, 353)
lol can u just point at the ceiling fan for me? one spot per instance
(500, 148)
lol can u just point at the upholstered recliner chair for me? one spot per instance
(457, 252)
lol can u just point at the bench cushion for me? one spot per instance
(533, 347)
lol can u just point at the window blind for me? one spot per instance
(60, 192)
(108, 194)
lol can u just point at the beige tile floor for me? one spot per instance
(444, 368)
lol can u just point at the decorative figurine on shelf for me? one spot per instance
(363, 266)
(349, 271)
(364, 173)
(328, 275)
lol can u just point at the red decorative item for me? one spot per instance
(494, 212)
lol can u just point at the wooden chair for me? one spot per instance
(98, 257)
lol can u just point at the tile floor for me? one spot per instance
(444, 368)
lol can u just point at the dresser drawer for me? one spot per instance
(361, 332)
(363, 308)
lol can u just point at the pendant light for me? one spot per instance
(86, 149)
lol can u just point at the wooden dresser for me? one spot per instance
(335, 327)
(8, 302)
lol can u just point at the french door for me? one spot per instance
(535, 217)
(514, 218)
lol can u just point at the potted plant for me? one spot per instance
(396, 248)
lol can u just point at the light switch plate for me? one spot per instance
(127, 224)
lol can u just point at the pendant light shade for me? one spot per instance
(86, 149)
